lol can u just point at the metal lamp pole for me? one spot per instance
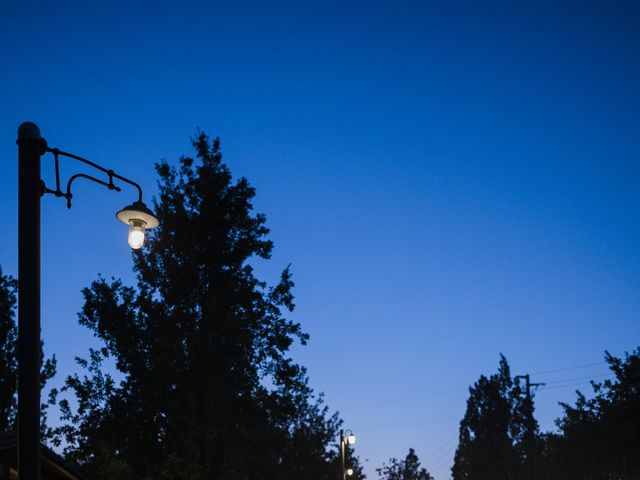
(31, 146)
(346, 438)
(342, 455)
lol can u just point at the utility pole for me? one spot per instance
(528, 384)
(529, 421)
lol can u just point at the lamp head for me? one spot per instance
(139, 218)
(351, 438)
(349, 471)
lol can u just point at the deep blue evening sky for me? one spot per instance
(448, 180)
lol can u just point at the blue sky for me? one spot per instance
(449, 180)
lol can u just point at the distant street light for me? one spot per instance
(31, 146)
(346, 438)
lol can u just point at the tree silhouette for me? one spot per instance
(407, 469)
(8, 357)
(207, 388)
(525, 433)
(600, 436)
(497, 431)
(9, 362)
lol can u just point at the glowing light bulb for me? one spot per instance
(349, 471)
(139, 218)
(351, 439)
(136, 234)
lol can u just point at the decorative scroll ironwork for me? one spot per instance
(111, 175)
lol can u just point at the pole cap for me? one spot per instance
(28, 131)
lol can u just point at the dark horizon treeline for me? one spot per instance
(209, 391)
(407, 469)
(597, 438)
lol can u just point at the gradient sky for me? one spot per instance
(449, 180)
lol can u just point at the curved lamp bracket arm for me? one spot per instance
(68, 195)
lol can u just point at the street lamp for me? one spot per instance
(31, 146)
(139, 218)
(346, 438)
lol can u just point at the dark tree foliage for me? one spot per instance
(9, 362)
(498, 430)
(407, 469)
(8, 357)
(599, 437)
(525, 434)
(207, 389)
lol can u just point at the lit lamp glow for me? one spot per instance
(136, 234)
(139, 218)
(349, 471)
(351, 439)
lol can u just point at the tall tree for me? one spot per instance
(407, 469)
(9, 361)
(497, 425)
(599, 436)
(208, 389)
(525, 432)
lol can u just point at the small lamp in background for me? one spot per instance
(346, 438)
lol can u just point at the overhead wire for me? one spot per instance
(549, 385)
(441, 462)
(407, 423)
(457, 389)
(434, 454)
(574, 379)
(564, 369)
(444, 452)
(402, 399)
(555, 387)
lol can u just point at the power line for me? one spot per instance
(574, 379)
(435, 453)
(402, 399)
(439, 457)
(442, 461)
(436, 462)
(409, 423)
(555, 384)
(567, 385)
(564, 369)
(457, 389)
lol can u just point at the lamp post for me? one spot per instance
(31, 146)
(346, 438)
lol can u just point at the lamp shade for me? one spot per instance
(138, 211)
